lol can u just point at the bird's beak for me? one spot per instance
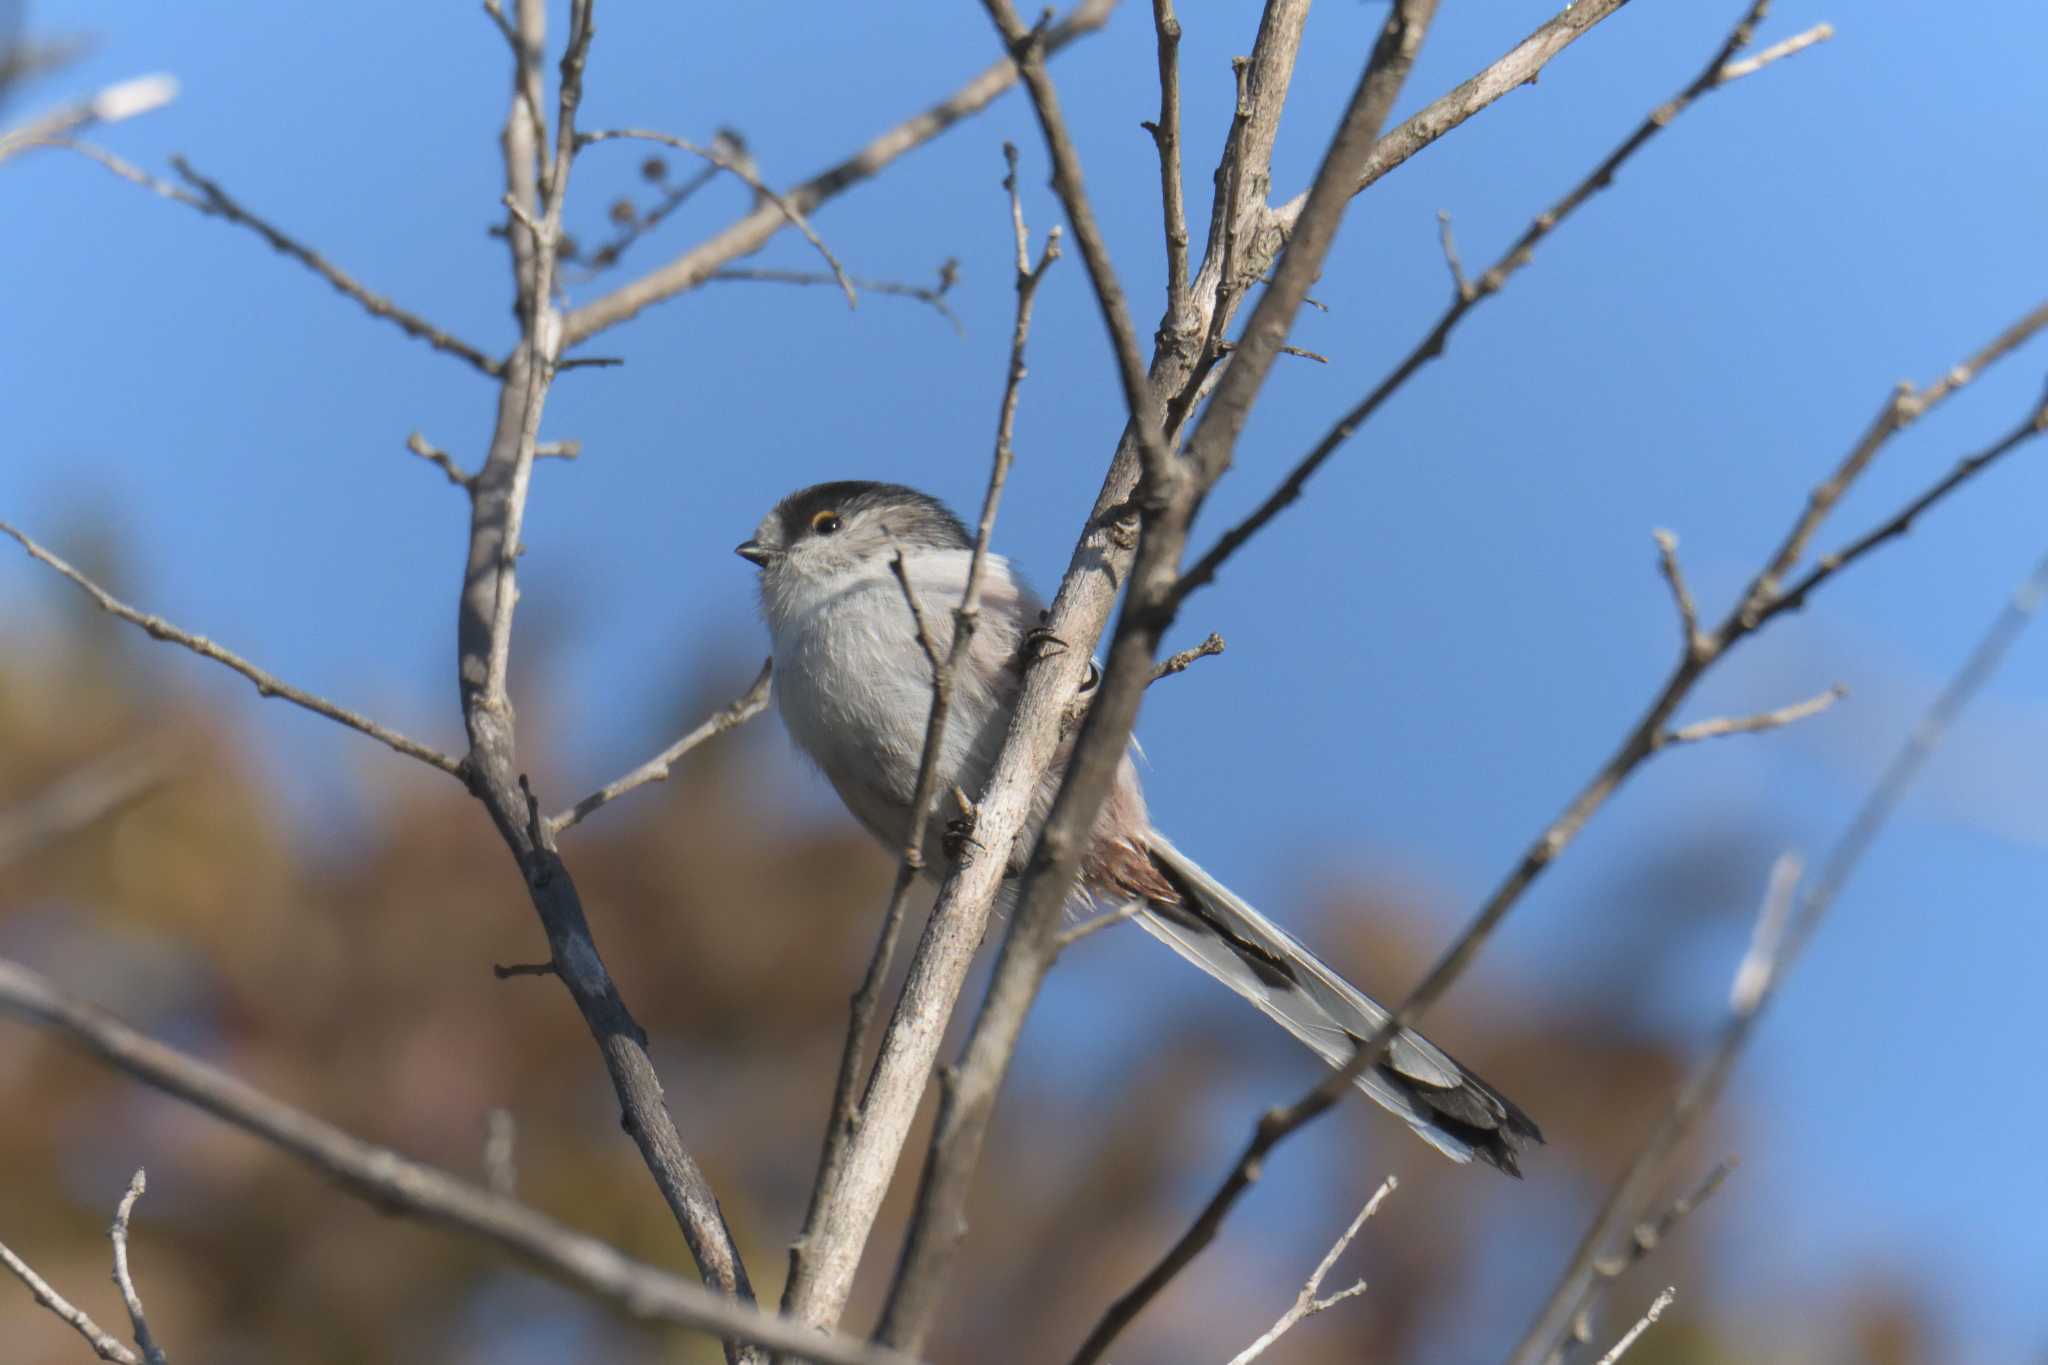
(754, 552)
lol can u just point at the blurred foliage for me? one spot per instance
(349, 973)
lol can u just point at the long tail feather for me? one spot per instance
(1451, 1109)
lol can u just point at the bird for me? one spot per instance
(854, 689)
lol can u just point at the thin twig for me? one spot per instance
(124, 1279)
(1166, 141)
(925, 642)
(1226, 347)
(394, 1184)
(1681, 593)
(1798, 42)
(673, 197)
(1181, 662)
(104, 1344)
(1027, 48)
(936, 297)
(215, 202)
(1628, 1338)
(1754, 724)
(496, 10)
(821, 1274)
(1903, 406)
(267, 684)
(1229, 212)
(439, 458)
(750, 232)
(1460, 286)
(739, 167)
(738, 712)
(1095, 924)
(1647, 1236)
(1307, 1304)
(2029, 427)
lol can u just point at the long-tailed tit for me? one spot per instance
(854, 687)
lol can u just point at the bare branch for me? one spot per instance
(1754, 724)
(845, 1207)
(81, 799)
(935, 296)
(749, 233)
(1168, 505)
(213, 201)
(1460, 286)
(739, 167)
(1681, 595)
(1628, 1338)
(1798, 42)
(1643, 740)
(395, 1184)
(1226, 347)
(124, 100)
(496, 10)
(1518, 67)
(1782, 935)
(124, 1280)
(1902, 407)
(267, 684)
(439, 458)
(744, 708)
(1094, 924)
(820, 1270)
(1027, 48)
(1646, 1238)
(673, 197)
(1467, 297)
(536, 191)
(924, 631)
(1166, 139)
(103, 1343)
(1181, 662)
(2029, 427)
(1308, 1304)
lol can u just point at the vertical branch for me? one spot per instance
(124, 1279)
(833, 1163)
(537, 182)
(1166, 139)
(960, 919)
(1027, 49)
(1032, 943)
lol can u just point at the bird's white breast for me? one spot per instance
(855, 688)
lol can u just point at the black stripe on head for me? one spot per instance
(914, 518)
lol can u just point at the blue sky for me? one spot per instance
(1426, 657)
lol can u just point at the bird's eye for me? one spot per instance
(825, 523)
